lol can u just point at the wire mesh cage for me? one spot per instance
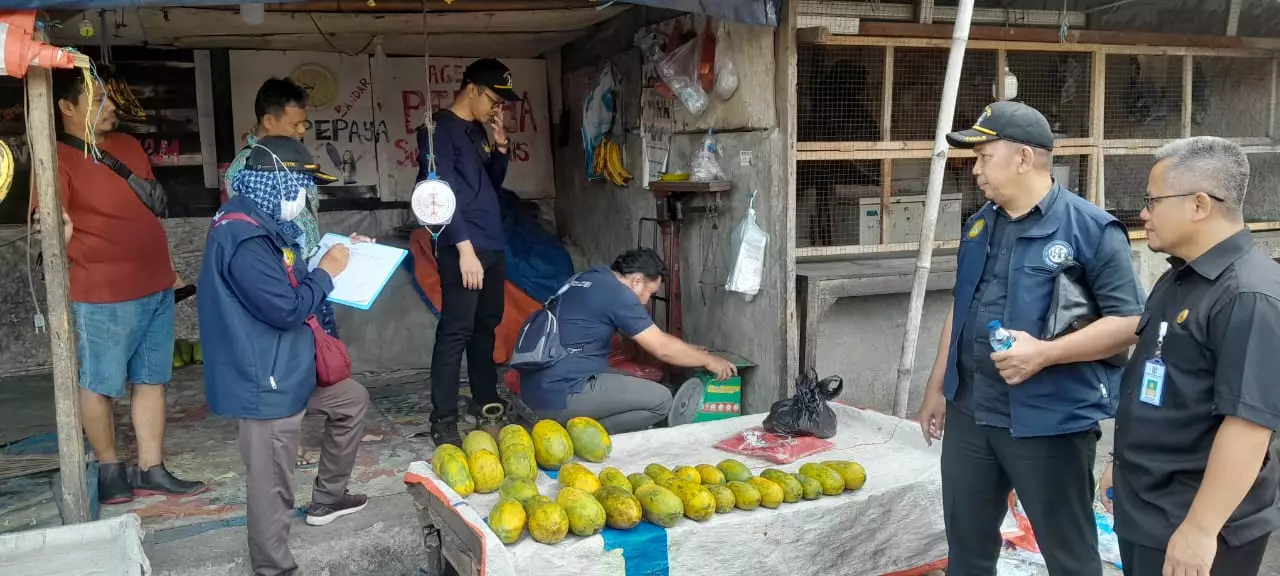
(1125, 183)
(1143, 97)
(1262, 203)
(918, 75)
(1230, 97)
(840, 93)
(1055, 83)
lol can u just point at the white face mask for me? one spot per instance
(290, 209)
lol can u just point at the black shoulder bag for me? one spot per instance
(150, 192)
(1073, 307)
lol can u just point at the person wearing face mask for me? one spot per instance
(593, 307)
(470, 249)
(260, 355)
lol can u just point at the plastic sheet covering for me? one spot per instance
(892, 525)
(102, 548)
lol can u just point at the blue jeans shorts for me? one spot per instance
(121, 342)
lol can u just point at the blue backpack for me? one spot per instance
(538, 346)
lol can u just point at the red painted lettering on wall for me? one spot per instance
(342, 108)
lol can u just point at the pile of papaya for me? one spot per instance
(186, 353)
(587, 501)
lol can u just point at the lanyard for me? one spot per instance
(1164, 329)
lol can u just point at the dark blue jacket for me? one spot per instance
(259, 354)
(474, 169)
(1060, 399)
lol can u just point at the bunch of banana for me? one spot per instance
(127, 105)
(608, 162)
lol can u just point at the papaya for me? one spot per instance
(547, 521)
(810, 489)
(552, 447)
(699, 503)
(724, 498)
(745, 496)
(486, 471)
(536, 500)
(590, 440)
(517, 462)
(586, 515)
(658, 473)
(791, 488)
(197, 352)
(518, 489)
(853, 474)
(710, 474)
(734, 471)
(450, 464)
(575, 475)
(771, 493)
(621, 510)
(477, 440)
(688, 473)
(506, 519)
(661, 506)
(637, 480)
(832, 483)
(514, 434)
(614, 477)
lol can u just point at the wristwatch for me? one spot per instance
(502, 145)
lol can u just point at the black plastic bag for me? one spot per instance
(806, 413)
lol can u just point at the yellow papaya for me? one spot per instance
(517, 462)
(486, 471)
(658, 473)
(586, 515)
(688, 473)
(661, 506)
(810, 489)
(699, 503)
(506, 519)
(614, 477)
(853, 474)
(637, 480)
(710, 474)
(514, 434)
(725, 500)
(621, 509)
(536, 500)
(450, 464)
(518, 489)
(575, 475)
(547, 521)
(552, 447)
(444, 452)
(734, 471)
(771, 494)
(590, 440)
(477, 440)
(791, 488)
(745, 496)
(832, 483)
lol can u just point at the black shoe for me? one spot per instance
(113, 484)
(158, 480)
(319, 515)
(446, 432)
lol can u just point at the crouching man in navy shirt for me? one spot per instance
(1026, 418)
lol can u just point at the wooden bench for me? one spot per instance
(820, 283)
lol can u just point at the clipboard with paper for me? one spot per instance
(369, 268)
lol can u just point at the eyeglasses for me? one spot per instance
(1151, 201)
(494, 99)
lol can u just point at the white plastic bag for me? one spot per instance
(749, 242)
(680, 71)
(726, 77)
(706, 161)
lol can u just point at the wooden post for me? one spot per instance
(1233, 18)
(66, 386)
(886, 125)
(933, 200)
(785, 80)
(1273, 127)
(1097, 105)
(1002, 62)
(924, 9)
(1188, 70)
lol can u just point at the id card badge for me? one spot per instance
(1152, 382)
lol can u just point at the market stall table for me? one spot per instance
(893, 525)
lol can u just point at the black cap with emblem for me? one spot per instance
(275, 152)
(1012, 121)
(493, 75)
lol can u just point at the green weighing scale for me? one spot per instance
(702, 398)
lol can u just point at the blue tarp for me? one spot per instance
(537, 262)
(753, 12)
(88, 4)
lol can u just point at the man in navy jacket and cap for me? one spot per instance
(471, 248)
(256, 295)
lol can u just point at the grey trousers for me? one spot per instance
(270, 451)
(619, 402)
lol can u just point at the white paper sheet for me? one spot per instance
(369, 267)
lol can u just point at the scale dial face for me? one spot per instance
(433, 202)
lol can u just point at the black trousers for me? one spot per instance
(1053, 477)
(1243, 560)
(467, 321)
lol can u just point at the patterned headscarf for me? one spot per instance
(265, 188)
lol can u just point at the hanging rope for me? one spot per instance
(430, 121)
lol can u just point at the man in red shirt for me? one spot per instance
(122, 282)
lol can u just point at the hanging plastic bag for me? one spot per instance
(680, 71)
(599, 110)
(706, 161)
(806, 413)
(749, 242)
(726, 76)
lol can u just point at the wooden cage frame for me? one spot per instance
(1095, 147)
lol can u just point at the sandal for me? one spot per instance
(308, 460)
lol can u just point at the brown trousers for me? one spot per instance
(270, 451)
